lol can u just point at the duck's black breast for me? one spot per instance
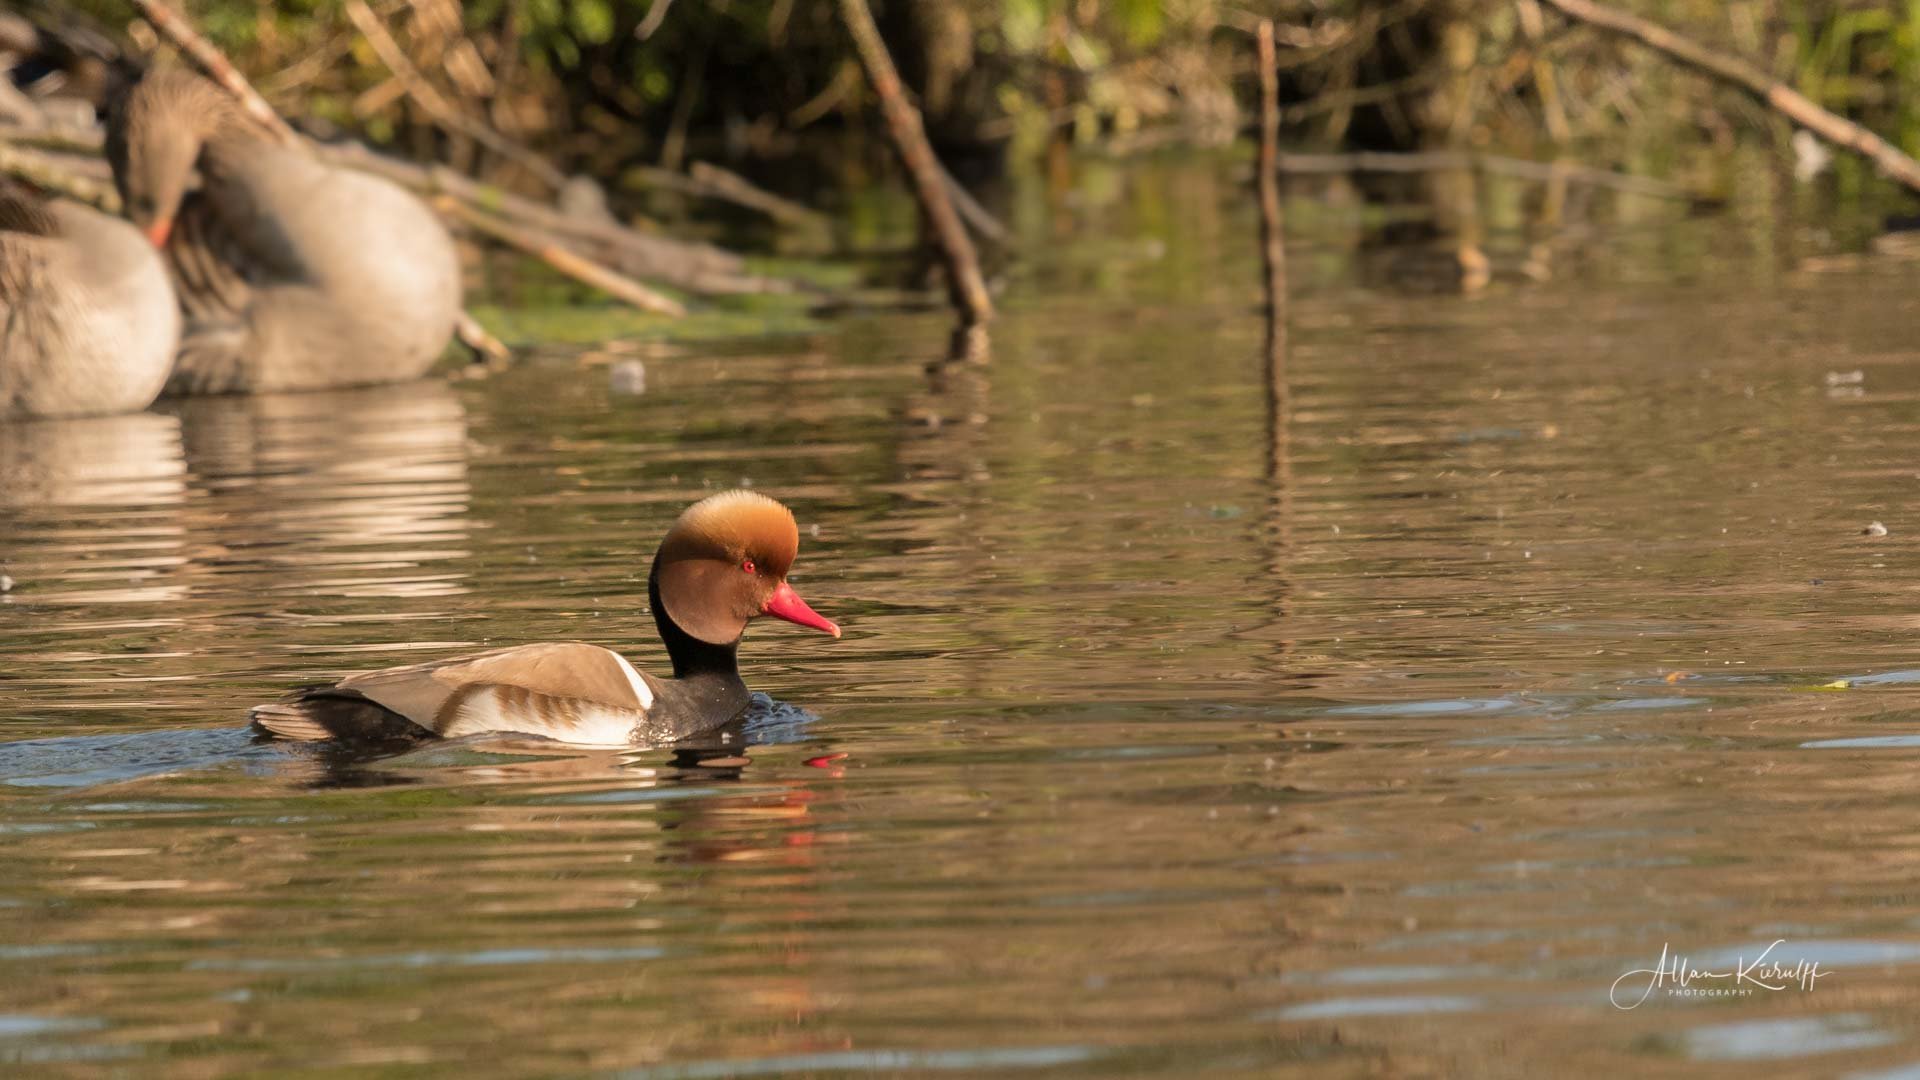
(696, 703)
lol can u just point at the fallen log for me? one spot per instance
(690, 265)
(673, 256)
(62, 175)
(561, 258)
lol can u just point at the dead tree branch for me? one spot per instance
(1273, 248)
(1783, 99)
(556, 255)
(174, 26)
(437, 106)
(61, 174)
(967, 288)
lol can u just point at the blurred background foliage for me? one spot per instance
(600, 86)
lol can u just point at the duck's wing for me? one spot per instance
(569, 691)
(563, 670)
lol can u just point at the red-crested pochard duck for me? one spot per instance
(294, 274)
(88, 321)
(722, 564)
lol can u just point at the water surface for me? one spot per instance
(1379, 733)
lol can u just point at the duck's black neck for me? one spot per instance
(692, 658)
(706, 690)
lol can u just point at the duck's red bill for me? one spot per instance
(158, 232)
(786, 604)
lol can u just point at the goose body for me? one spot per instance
(293, 274)
(88, 321)
(723, 563)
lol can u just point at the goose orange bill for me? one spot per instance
(786, 604)
(158, 232)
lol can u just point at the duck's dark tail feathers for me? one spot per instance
(322, 713)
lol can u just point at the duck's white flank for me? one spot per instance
(641, 691)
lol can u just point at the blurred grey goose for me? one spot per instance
(88, 321)
(722, 564)
(294, 274)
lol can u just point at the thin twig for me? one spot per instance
(175, 28)
(738, 189)
(486, 347)
(1372, 94)
(442, 110)
(458, 55)
(673, 147)
(1545, 84)
(693, 256)
(656, 14)
(1273, 248)
(975, 215)
(317, 60)
(845, 78)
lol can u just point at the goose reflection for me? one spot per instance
(341, 493)
(92, 507)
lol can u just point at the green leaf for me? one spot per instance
(592, 21)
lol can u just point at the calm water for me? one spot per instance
(1539, 633)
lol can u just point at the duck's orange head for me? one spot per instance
(725, 562)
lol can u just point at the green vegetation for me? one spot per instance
(584, 323)
(600, 84)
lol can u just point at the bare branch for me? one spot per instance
(547, 250)
(175, 28)
(1783, 99)
(967, 288)
(442, 110)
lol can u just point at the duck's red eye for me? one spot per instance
(747, 565)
